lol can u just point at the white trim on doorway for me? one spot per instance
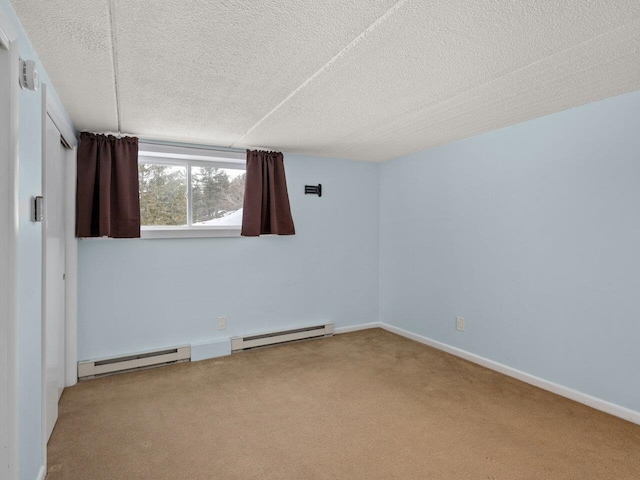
(43, 349)
(8, 247)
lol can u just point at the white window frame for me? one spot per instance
(158, 154)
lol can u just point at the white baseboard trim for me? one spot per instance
(593, 402)
(205, 350)
(355, 328)
(42, 473)
(220, 348)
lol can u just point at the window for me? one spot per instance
(190, 192)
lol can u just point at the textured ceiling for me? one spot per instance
(368, 80)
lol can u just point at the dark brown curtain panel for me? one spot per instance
(107, 201)
(266, 201)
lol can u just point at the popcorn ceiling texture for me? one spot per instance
(368, 80)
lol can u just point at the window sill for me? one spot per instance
(155, 233)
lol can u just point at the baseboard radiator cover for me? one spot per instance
(239, 344)
(136, 361)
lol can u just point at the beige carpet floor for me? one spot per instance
(364, 405)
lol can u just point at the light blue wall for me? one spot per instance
(30, 439)
(142, 294)
(532, 234)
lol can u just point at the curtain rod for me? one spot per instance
(173, 143)
(191, 145)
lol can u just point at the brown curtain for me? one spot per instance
(107, 201)
(266, 201)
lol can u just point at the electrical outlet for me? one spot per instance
(460, 324)
(222, 323)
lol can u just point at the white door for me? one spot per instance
(53, 274)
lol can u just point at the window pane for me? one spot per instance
(217, 195)
(163, 194)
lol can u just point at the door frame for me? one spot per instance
(8, 248)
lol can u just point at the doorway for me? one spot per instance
(8, 248)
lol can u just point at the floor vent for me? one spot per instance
(138, 361)
(239, 344)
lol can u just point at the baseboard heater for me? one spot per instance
(138, 361)
(239, 344)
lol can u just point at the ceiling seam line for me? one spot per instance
(114, 56)
(380, 20)
(419, 110)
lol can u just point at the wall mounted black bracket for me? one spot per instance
(313, 189)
